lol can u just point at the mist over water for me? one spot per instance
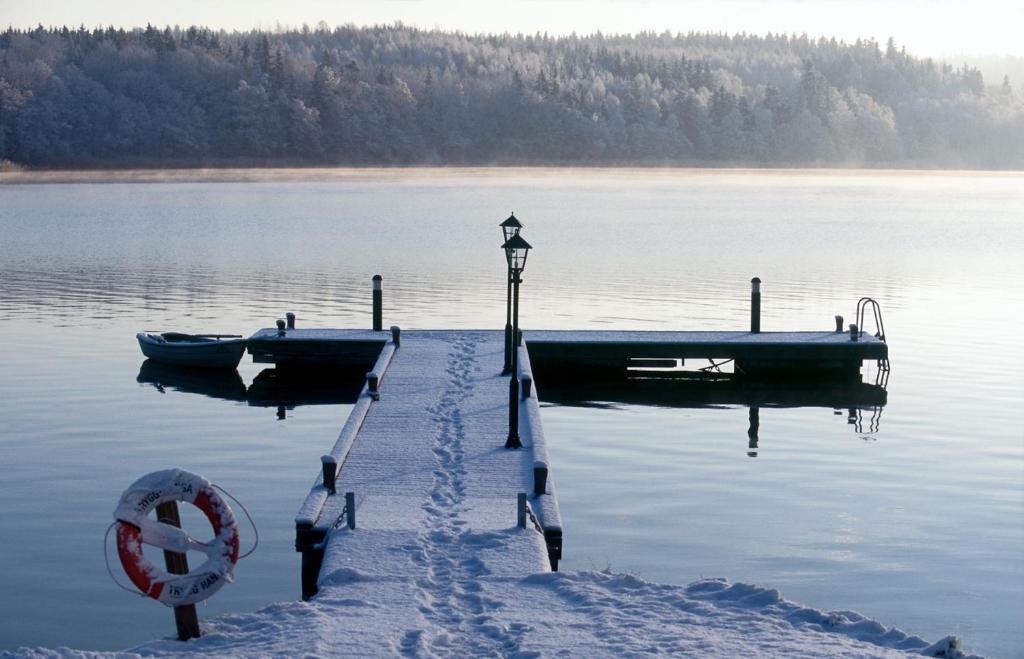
(919, 524)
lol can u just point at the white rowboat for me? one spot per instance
(195, 350)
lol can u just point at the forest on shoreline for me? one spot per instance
(396, 95)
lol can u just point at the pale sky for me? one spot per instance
(926, 27)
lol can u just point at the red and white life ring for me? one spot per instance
(135, 527)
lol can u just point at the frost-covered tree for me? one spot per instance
(399, 95)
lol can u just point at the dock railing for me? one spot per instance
(543, 499)
(310, 529)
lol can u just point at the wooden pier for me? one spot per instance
(421, 467)
(423, 447)
(424, 443)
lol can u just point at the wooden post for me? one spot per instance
(350, 509)
(378, 303)
(312, 560)
(755, 305)
(185, 617)
(839, 324)
(330, 467)
(540, 478)
(521, 522)
(755, 425)
(291, 320)
(373, 384)
(854, 335)
(396, 336)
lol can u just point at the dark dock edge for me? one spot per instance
(543, 500)
(310, 529)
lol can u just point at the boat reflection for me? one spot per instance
(207, 382)
(270, 388)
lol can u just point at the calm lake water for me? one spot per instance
(916, 520)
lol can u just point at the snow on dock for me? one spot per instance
(425, 460)
(805, 354)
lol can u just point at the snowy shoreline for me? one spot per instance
(544, 614)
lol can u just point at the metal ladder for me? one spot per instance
(882, 379)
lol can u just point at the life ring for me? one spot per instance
(135, 527)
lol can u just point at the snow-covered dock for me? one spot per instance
(755, 353)
(423, 451)
(423, 454)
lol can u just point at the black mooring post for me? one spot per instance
(185, 617)
(839, 324)
(350, 510)
(330, 471)
(281, 327)
(378, 303)
(312, 561)
(755, 305)
(291, 320)
(755, 424)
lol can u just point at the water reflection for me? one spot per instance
(723, 390)
(270, 388)
(214, 383)
(864, 401)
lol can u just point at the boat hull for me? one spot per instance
(200, 354)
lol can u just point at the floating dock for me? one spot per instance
(423, 447)
(818, 354)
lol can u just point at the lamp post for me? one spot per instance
(510, 227)
(516, 250)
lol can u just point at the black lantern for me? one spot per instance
(511, 226)
(516, 249)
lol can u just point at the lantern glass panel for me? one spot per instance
(510, 227)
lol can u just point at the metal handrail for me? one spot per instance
(876, 310)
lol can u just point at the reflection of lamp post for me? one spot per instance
(510, 227)
(516, 250)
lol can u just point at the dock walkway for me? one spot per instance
(435, 489)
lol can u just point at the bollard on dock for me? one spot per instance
(330, 467)
(350, 509)
(755, 305)
(291, 320)
(378, 303)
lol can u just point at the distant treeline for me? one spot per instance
(398, 95)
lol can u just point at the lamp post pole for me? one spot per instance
(513, 382)
(516, 250)
(509, 227)
(507, 368)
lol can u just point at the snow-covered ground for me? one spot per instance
(582, 614)
(437, 567)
